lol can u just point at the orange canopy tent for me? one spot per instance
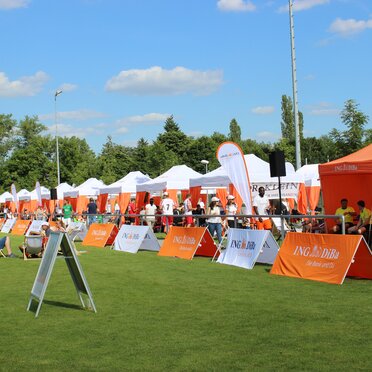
(349, 177)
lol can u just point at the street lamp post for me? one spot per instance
(58, 92)
(206, 162)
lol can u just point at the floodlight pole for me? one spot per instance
(294, 86)
(58, 92)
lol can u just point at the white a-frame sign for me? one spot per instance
(60, 240)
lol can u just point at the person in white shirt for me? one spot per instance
(167, 205)
(150, 212)
(261, 206)
(187, 210)
(231, 210)
(214, 222)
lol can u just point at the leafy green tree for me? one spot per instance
(174, 139)
(160, 159)
(287, 123)
(77, 160)
(354, 137)
(114, 161)
(141, 156)
(29, 129)
(235, 134)
(7, 129)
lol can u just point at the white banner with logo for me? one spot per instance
(246, 247)
(77, 231)
(15, 196)
(132, 238)
(35, 227)
(231, 157)
(38, 194)
(8, 225)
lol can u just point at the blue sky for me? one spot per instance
(125, 65)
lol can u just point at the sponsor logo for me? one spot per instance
(130, 236)
(184, 240)
(346, 167)
(317, 252)
(99, 232)
(230, 154)
(243, 244)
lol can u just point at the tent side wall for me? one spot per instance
(353, 187)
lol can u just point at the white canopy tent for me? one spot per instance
(45, 193)
(259, 175)
(88, 188)
(6, 197)
(126, 184)
(24, 195)
(310, 174)
(62, 188)
(176, 178)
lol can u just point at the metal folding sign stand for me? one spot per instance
(60, 240)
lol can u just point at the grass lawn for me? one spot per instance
(158, 314)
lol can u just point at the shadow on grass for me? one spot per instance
(63, 304)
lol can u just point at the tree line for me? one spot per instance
(28, 155)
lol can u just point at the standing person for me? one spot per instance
(131, 211)
(348, 213)
(198, 212)
(167, 205)
(40, 214)
(201, 203)
(187, 210)
(67, 212)
(214, 222)
(150, 211)
(231, 209)
(92, 211)
(261, 206)
(364, 220)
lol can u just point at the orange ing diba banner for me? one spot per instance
(186, 242)
(323, 257)
(20, 227)
(100, 234)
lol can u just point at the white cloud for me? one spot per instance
(67, 130)
(348, 27)
(67, 87)
(26, 86)
(153, 118)
(78, 115)
(310, 77)
(323, 109)
(263, 110)
(236, 5)
(299, 5)
(13, 4)
(158, 81)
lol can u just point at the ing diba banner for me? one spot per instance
(323, 257)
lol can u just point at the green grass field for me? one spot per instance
(158, 314)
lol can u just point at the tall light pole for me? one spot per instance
(294, 86)
(57, 93)
(206, 162)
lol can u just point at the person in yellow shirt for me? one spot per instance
(364, 219)
(348, 213)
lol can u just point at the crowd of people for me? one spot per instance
(215, 216)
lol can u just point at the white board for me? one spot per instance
(34, 227)
(8, 225)
(246, 247)
(132, 238)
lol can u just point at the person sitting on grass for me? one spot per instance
(5, 242)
